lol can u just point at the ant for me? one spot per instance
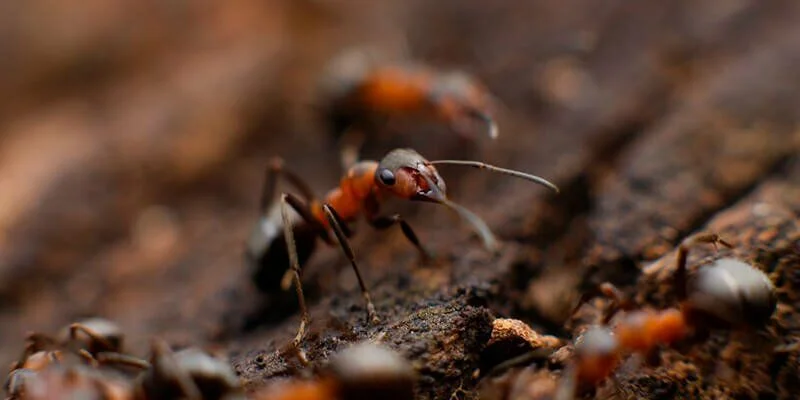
(189, 373)
(727, 294)
(94, 340)
(402, 173)
(358, 95)
(68, 382)
(362, 371)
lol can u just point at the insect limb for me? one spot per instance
(335, 222)
(295, 271)
(351, 143)
(76, 327)
(518, 174)
(121, 359)
(165, 364)
(275, 170)
(680, 276)
(385, 222)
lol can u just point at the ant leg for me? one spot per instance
(276, 169)
(121, 359)
(165, 365)
(351, 143)
(73, 335)
(385, 222)
(335, 223)
(680, 277)
(294, 263)
(619, 302)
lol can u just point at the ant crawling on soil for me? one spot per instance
(358, 94)
(363, 371)
(95, 340)
(402, 173)
(727, 294)
(92, 342)
(75, 381)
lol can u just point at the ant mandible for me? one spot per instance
(402, 173)
(727, 294)
(357, 94)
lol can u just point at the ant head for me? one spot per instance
(408, 175)
(733, 292)
(462, 100)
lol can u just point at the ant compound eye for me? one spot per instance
(386, 177)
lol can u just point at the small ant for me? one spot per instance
(727, 294)
(187, 374)
(68, 382)
(95, 340)
(362, 371)
(358, 94)
(402, 173)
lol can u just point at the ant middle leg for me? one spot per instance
(335, 222)
(94, 336)
(113, 358)
(680, 274)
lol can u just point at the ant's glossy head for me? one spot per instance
(406, 174)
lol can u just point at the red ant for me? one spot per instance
(402, 173)
(363, 371)
(728, 294)
(358, 95)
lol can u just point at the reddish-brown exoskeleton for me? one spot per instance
(363, 371)
(358, 94)
(727, 294)
(402, 173)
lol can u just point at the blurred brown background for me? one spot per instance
(133, 137)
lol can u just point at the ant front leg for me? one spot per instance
(385, 222)
(680, 277)
(336, 223)
(94, 336)
(619, 301)
(111, 358)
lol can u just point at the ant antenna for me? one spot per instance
(481, 228)
(514, 173)
(491, 125)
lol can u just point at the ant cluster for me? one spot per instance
(728, 294)
(87, 362)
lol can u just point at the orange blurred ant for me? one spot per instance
(358, 95)
(363, 371)
(402, 173)
(727, 294)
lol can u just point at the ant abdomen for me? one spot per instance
(267, 256)
(731, 293)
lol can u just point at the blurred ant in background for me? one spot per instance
(56, 367)
(402, 173)
(362, 371)
(359, 95)
(727, 294)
